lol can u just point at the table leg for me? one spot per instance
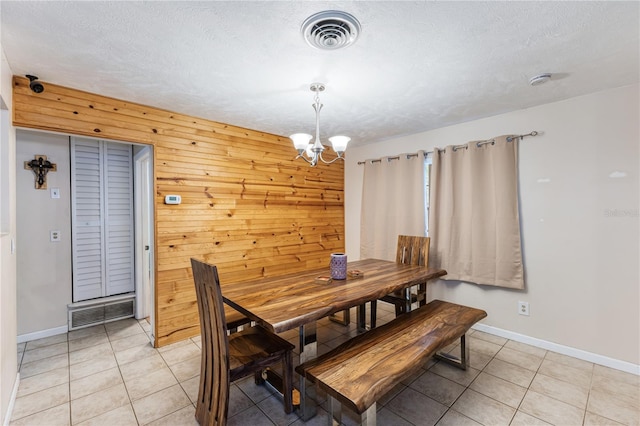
(362, 317)
(345, 320)
(308, 350)
(423, 290)
(407, 299)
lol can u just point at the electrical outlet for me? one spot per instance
(523, 308)
(55, 236)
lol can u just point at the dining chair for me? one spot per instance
(226, 358)
(411, 250)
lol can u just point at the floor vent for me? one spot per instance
(99, 311)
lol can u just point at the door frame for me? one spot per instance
(144, 233)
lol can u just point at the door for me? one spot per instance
(143, 190)
(102, 218)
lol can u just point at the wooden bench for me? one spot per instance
(361, 370)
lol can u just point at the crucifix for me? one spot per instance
(40, 166)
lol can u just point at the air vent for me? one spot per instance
(99, 311)
(119, 310)
(539, 79)
(330, 30)
(85, 317)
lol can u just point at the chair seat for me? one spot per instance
(254, 347)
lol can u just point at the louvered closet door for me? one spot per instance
(87, 230)
(119, 218)
(102, 218)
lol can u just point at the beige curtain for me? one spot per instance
(393, 203)
(474, 223)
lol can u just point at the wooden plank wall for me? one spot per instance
(246, 205)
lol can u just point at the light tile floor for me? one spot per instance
(110, 375)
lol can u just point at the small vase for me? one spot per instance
(338, 266)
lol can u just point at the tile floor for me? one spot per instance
(110, 375)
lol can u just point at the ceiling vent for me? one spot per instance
(330, 30)
(539, 79)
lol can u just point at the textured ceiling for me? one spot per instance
(417, 65)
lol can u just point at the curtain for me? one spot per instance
(474, 222)
(393, 203)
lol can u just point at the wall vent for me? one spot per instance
(100, 311)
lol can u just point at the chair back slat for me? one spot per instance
(413, 250)
(214, 378)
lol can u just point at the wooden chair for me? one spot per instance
(411, 251)
(226, 358)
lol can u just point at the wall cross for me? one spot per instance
(40, 166)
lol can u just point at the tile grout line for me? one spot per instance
(123, 382)
(529, 388)
(177, 381)
(474, 379)
(69, 373)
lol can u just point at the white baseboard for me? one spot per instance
(565, 350)
(12, 401)
(42, 334)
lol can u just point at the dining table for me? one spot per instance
(299, 299)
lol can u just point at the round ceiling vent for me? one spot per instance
(330, 30)
(539, 79)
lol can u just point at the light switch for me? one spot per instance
(55, 192)
(55, 236)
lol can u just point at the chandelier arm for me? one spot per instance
(313, 161)
(304, 158)
(339, 157)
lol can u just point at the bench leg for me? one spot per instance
(463, 361)
(308, 396)
(335, 411)
(368, 418)
(308, 350)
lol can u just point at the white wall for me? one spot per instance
(44, 267)
(580, 224)
(8, 353)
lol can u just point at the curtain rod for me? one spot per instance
(455, 147)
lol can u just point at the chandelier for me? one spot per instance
(312, 152)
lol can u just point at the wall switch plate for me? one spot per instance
(523, 308)
(55, 192)
(55, 236)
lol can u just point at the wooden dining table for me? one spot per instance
(298, 300)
